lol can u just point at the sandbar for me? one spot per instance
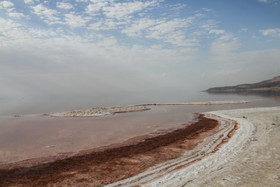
(103, 111)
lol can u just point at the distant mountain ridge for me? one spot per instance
(271, 85)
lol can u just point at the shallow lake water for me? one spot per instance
(32, 136)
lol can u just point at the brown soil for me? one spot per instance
(112, 164)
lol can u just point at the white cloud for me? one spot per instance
(75, 20)
(46, 14)
(165, 27)
(16, 14)
(182, 32)
(172, 32)
(8, 28)
(223, 47)
(227, 38)
(28, 1)
(13, 34)
(7, 24)
(64, 62)
(122, 10)
(139, 26)
(271, 32)
(11, 11)
(42, 64)
(94, 7)
(106, 24)
(6, 4)
(64, 5)
(216, 31)
(98, 26)
(36, 33)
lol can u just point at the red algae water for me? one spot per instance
(31, 136)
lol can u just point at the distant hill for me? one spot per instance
(272, 86)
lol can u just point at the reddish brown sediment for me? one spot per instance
(108, 165)
(245, 152)
(226, 139)
(216, 148)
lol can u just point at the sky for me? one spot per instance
(110, 48)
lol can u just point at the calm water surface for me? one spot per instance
(33, 135)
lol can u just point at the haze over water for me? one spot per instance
(61, 55)
(33, 136)
(58, 55)
(39, 105)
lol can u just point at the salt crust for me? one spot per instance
(159, 176)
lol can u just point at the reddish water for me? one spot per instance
(32, 136)
(100, 167)
(36, 136)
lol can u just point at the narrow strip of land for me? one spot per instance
(103, 111)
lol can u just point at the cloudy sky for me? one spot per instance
(117, 47)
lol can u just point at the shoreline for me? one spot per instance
(206, 157)
(248, 158)
(117, 161)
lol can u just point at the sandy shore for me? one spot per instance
(249, 158)
(257, 162)
(223, 148)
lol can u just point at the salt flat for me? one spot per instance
(223, 148)
(249, 158)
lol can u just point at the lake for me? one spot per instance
(33, 135)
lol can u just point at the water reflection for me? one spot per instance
(271, 95)
(31, 136)
(12, 106)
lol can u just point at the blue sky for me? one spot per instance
(51, 48)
